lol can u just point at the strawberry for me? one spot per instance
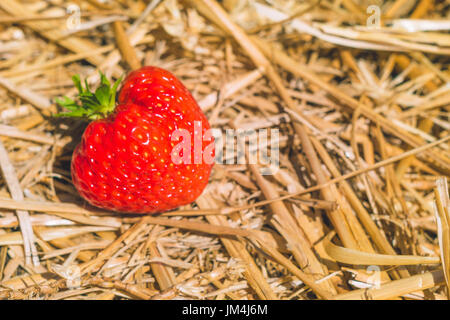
(132, 157)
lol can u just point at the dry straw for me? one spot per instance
(358, 208)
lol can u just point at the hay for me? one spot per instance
(362, 109)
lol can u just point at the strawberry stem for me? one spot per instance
(90, 105)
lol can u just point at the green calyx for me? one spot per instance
(91, 105)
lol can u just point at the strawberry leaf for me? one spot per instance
(102, 94)
(77, 81)
(91, 105)
(112, 99)
(104, 80)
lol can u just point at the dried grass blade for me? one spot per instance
(26, 94)
(396, 288)
(126, 49)
(10, 176)
(237, 249)
(442, 214)
(355, 257)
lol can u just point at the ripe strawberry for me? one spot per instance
(124, 161)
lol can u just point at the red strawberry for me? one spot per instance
(124, 161)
